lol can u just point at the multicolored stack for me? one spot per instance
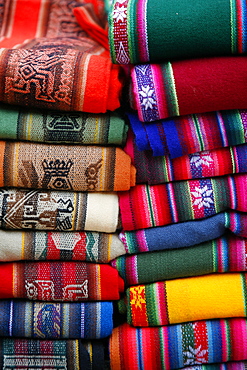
(184, 223)
(61, 165)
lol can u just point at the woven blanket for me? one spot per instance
(58, 210)
(184, 234)
(142, 30)
(207, 163)
(204, 297)
(237, 365)
(60, 281)
(175, 346)
(189, 86)
(224, 254)
(156, 205)
(190, 134)
(58, 67)
(47, 320)
(65, 167)
(18, 123)
(41, 245)
(54, 354)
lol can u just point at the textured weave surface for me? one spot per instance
(47, 320)
(57, 210)
(184, 234)
(65, 167)
(208, 163)
(227, 253)
(205, 297)
(151, 30)
(183, 135)
(58, 67)
(18, 123)
(176, 346)
(157, 205)
(60, 354)
(189, 86)
(60, 281)
(87, 246)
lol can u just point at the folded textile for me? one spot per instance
(205, 297)
(142, 31)
(188, 134)
(156, 205)
(184, 234)
(58, 210)
(47, 320)
(208, 163)
(54, 75)
(65, 167)
(176, 346)
(237, 365)
(18, 123)
(189, 86)
(224, 254)
(60, 281)
(20, 353)
(41, 245)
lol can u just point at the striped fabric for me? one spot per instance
(87, 246)
(175, 346)
(189, 86)
(60, 281)
(65, 167)
(157, 205)
(142, 31)
(193, 133)
(237, 365)
(184, 234)
(57, 210)
(22, 124)
(208, 163)
(205, 297)
(47, 320)
(225, 254)
(19, 353)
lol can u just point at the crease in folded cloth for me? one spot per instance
(149, 30)
(189, 134)
(65, 167)
(147, 206)
(175, 346)
(60, 281)
(89, 246)
(60, 320)
(183, 87)
(184, 234)
(210, 296)
(224, 254)
(58, 210)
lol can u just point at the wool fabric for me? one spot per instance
(48, 320)
(208, 163)
(224, 254)
(58, 210)
(188, 134)
(60, 281)
(18, 123)
(184, 234)
(205, 297)
(65, 167)
(175, 346)
(71, 354)
(189, 86)
(151, 30)
(87, 246)
(156, 205)
(237, 365)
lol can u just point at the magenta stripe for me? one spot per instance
(142, 30)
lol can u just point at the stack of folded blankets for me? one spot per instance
(184, 224)
(61, 165)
